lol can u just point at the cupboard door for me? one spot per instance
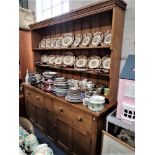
(81, 142)
(41, 118)
(51, 126)
(63, 134)
(30, 108)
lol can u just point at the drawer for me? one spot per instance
(34, 97)
(28, 95)
(37, 98)
(82, 120)
(62, 111)
(76, 118)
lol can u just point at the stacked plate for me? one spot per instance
(74, 95)
(60, 86)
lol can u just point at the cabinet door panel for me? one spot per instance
(31, 112)
(51, 126)
(41, 118)
(81, 143)
(63, 134)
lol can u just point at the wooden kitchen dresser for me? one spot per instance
(72, 126)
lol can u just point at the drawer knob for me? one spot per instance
(28, 93)
(79, 118)
(60, 109)
(37, 98)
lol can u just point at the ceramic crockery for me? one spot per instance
(30, 142)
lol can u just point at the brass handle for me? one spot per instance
(61, 109)
(79, 118)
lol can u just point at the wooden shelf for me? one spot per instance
(74, 70)
(70, 48)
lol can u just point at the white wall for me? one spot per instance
(128, 46)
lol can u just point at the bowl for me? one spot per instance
(49, 74)
(97, 99)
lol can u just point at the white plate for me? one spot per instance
(58, 42)
(77, 41)
(68, 60)
(94, 62)
(42, 43)
(97, 38)
(106, 62)
(48, 43)
(81, 61)
(51, 59)
(58, 60)
(67, 40)
(53, 42)
(86, 39)
(44, 58)
(107, 38)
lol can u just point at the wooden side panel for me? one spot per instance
(117, 32)
(25, 53)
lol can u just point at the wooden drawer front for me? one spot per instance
(37, 98)
(49, 103)
(82, 120)
(28, 95)
(62, 111)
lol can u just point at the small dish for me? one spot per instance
(53, 42)
(58, 42)
(94, 62)
(51, 59)
(48, 43)
(97, 38)
(77, 41)
(58, 60)
(68, 60)
(67, 40)
(106, 61)
(107, 38)
(81, 61)
(42, 44)
(86, 39)
(44, 58)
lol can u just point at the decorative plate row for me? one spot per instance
(69, 40)
(81, 62)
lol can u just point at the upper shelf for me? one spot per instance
(71, 48)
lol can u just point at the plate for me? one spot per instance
(106, 62)
(58, 60)
(42, 43)
(51, 59)
(67, 40)
(77, 41)
(44, 58)
(53, 42)
(86, 39)
(97, 38)
(94, 62)
(48, 43)
(58, 43)
(107, 38)
(81, 61)
(68, 60)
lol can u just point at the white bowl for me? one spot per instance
(96, 99)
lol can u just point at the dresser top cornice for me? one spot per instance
(85, 11)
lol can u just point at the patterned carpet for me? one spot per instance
(42, 138)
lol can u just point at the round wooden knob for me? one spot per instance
(37, 98)
(61, 109)
(79, 118)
